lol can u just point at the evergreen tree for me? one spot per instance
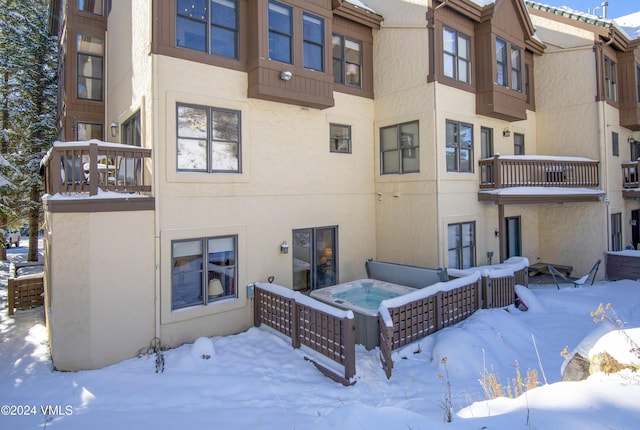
(28, 63)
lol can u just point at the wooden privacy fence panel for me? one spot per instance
(403, 324)
(325, 330)
(522, 276)
(498, 292)
(274, 310)
(25, 292)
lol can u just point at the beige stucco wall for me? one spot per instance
(100, 287)
(289, 180)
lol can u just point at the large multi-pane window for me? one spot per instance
(516, 68)
(461, 245)
(634, 150)
(399, 148)
(280, 32)
(203, 271)
(93, 6)
(616, 232)
(611, 79)
(459, 146)
(313, 42)
(209, 26)
(208, 139)
(90, 70)
(87, 130)
(456, 55)
(347, 61)
(502, 78)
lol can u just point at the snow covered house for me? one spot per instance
(295, 139)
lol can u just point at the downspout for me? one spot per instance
(602, 112)
(156, 180)
(439, 225)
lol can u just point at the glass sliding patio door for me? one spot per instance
(315, 258)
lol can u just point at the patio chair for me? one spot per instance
(577, 282)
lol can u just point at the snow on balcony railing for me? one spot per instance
(85, 167)
(538, 171)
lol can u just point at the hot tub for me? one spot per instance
(363, 297)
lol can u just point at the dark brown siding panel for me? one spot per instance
(628, 91)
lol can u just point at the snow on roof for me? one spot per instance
(100, 196)
(358, 3)
(542, 157)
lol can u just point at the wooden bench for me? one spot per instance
(543, 268)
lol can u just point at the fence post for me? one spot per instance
(487, 293)
(12, 296)
(349, 344)
(295, 324)
(497, 171)
(93, 169)
(257, 320)
(439, 315)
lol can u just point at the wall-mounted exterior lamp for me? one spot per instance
(114, 129)
(284, 247)
(506, 132)
(286, 75)
(497, 232)
(631, 140)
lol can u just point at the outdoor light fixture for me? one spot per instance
(506, 132)
(114, 129)
(284, 247)
(631, 140)
(286, 75)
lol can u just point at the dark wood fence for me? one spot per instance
(514, 171)
(421, 317)
(25, 292)
(401, 325)
(327, 331)
(622, 265)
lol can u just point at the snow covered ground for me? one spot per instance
(255, 380)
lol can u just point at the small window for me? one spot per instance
(456, 55)
(340, 139)
(86, 131)
(212, 29)
(638, 82)
(280, 32)
(611, 79)
(516, 69)
(399, 148)
(92, 6)
(313, 42)
(347, 61)
(634, 149)
(203, 271)
(615, 145)
(459, 147)
(208, 139)
(518, 144)
(90, 58)
(461, 245)
(131, 133)
(502, 78)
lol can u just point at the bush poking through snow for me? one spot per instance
(494, 388)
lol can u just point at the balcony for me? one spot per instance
(630, 184)
(97, 176)
(539, 179)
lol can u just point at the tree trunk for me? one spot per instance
(34, 225)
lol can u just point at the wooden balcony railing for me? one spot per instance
(83, 167)
(630, 175)
(538, 171)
